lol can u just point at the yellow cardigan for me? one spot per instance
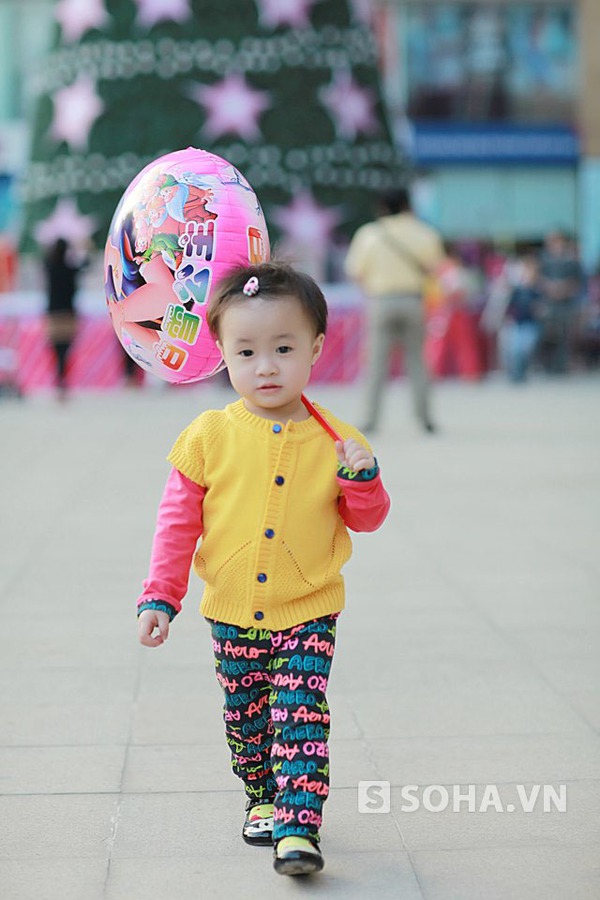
(273, 541)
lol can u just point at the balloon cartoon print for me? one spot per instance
(182, 224)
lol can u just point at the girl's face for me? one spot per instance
(269, 347)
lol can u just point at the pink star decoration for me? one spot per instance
(232, 107)
(295, 13)
(350, 106)
(76, 108)
(305, 223)
(152, 11)
(78, 16)
(67, 222)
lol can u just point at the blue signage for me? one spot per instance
(435, 143)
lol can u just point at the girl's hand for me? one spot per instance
(353, 455)
(148, 620)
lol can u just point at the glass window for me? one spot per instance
(486, 63)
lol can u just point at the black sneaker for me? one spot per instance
(258, 825)
(297, 855)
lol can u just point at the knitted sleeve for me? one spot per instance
(188, 452)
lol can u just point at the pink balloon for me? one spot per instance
(181, 225)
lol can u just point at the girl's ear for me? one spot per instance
(317, 348)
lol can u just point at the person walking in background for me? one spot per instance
(61, 269)
(391, 259)
(520, 333)
(561, 281)
(453, 345)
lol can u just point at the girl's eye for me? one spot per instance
(284, 349)
(246, 353)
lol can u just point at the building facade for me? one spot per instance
(495, 102)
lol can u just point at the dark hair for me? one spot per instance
(275, 280)
(395, 201)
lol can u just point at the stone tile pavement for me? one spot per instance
(467, 656)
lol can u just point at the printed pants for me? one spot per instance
(277, 718)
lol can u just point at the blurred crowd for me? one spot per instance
(530, 308)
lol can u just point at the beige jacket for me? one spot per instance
(380, 267)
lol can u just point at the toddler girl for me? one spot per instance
(258, 481)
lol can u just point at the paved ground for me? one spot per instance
(468, 655)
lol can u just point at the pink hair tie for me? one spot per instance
(251, 287)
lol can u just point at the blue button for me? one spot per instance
(277, 428)
(259, 615)
(261, 577)
(279, 479)
(269, 533)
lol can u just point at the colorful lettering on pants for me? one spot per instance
(277, 717)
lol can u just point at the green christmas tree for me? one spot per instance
(286, 90)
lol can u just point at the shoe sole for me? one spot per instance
(260, 841)
(305, 865)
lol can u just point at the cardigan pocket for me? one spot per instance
(291, 574)
(234, 567)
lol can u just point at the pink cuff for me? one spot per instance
(363, 505)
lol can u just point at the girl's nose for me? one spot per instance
(266, 365)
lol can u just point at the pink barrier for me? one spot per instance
(97, 360)
(453, 347)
